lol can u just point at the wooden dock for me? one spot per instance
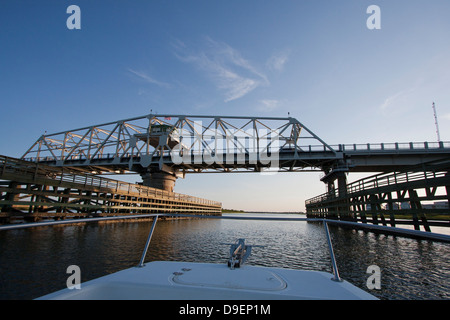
(31, 192)
(392, 198)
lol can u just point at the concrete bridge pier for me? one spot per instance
(341, 211)
(159, 180)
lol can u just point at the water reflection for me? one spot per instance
(33, 261)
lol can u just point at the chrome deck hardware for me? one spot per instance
(239, 252)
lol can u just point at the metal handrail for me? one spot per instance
(327, 233)
(155, 219)
(333, 258)
(147, 244)
(360, 147)
(325, 222)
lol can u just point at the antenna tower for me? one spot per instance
(436, 122)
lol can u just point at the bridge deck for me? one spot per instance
(374, 157)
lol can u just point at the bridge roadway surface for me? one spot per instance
(354, 158)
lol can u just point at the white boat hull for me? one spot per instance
(166, 280)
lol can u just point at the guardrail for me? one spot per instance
(397, 147)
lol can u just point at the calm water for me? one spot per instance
(33, 261)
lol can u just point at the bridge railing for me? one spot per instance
(396, 146)
(366, 148)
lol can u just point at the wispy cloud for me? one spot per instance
(397, 102)
(143, 76)
(390, 101)
(277, 61)
(268, 105)
(229, 71)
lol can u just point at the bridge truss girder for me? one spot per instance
(180, 144)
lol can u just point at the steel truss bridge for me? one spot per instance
(162, 148)
(178, 144)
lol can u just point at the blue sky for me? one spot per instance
(316, 60)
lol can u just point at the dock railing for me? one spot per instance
(379, 181)
(11, 168)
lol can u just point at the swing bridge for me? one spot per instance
(63, 174)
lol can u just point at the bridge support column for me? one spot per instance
(159, 180)
(331, 189)
(341, 207)
(342, 184)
